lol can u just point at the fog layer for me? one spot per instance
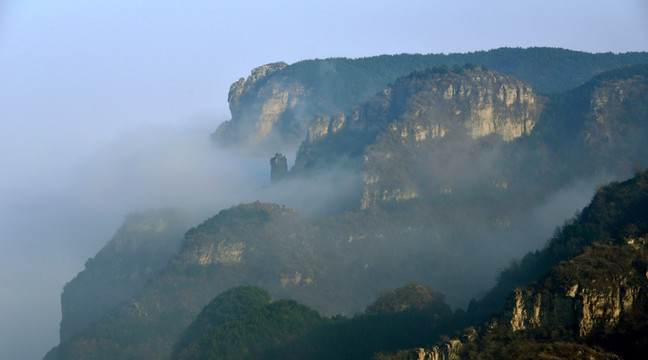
(52, 224)
(74, 74)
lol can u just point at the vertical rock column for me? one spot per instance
(278, 168)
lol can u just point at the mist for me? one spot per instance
(63, 220)
(50, 227)
(63, 223)
(95, 99)
(325, 192)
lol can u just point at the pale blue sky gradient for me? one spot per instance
(91, 92)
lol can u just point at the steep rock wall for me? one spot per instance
(590, 293)
(261, 108)
(411, 117)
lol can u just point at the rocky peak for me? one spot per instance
(260, 106)
(237, 88)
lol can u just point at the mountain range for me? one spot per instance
(424, 174)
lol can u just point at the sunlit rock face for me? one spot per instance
(265, 111)
(590, 293)
(399, 123)
(455, 108)
(586, 308)
(479, 102)
(449, 350)
(221, 253)
(242, 85)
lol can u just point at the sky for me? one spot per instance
(106, 107)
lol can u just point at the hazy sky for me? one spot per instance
(106, 106)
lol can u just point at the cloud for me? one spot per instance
(161, 167)
(326, 192)
(50, 225)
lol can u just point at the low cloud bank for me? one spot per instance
(52, 223)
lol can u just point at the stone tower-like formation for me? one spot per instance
(278, 168)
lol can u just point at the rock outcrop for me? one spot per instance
(278, 168)
(259, 105)
(590, 293)
(455, 108)
(392, 132)
(261, 108)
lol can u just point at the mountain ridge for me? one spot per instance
(281, 106)
(467, 203)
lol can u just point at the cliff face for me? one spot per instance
(616, 107)
(243, 86)
(590, 293)
(273, 107)
(431, 105)
(443, 113)
(616, 121)
(398, 131)
(263, 110)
